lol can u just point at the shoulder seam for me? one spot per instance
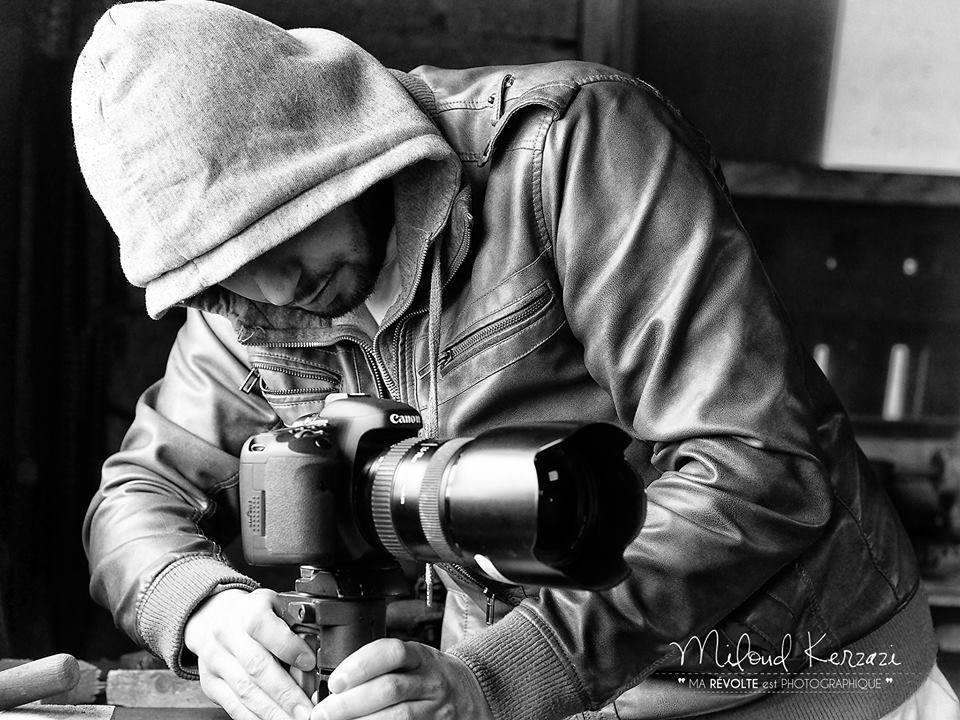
(536, 191)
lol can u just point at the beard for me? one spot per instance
(359, 279)
(360, 266)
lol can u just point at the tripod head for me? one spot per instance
(337, 611)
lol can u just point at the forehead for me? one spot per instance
(326, 240)
(332, 233)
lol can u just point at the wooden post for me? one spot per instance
(38, 679)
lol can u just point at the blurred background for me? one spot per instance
(838, 122)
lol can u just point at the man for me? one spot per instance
(490, 246)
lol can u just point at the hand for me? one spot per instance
(391, 679)
(237, 637)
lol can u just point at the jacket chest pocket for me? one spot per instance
(294, 387)
(496, 339)
(506, 322)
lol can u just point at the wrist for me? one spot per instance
(213, 606)
(469, 687)
(172, 597)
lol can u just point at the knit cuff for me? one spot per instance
(172, 597)
(520, 672)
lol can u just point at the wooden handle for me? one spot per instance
(38, 679)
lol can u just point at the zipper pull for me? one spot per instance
(250, 381)
(491, 606)
(428, 581)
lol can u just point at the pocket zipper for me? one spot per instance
(251, 379)
(463, 347)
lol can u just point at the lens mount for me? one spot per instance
(381, 496)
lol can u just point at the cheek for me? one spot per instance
(243, 284)
(360, 250)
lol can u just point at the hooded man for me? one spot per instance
(494, 245)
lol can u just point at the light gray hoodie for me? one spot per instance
(208, 136)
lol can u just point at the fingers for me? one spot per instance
(258, 693)
(236, 636)
(217, 690)
(395, 680)
(380, 657)
(276, 636)
(257, 679)
(417, 710)
(377, 694)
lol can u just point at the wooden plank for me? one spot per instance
(123, 713)
(59, 712)
(154, 688)
(109, 712)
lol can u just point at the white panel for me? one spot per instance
(895, 92)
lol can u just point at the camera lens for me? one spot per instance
(552, 503)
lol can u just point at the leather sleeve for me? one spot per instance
(150, 563)
(678, 322)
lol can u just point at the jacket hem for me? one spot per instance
(519, 671)
(171, 599)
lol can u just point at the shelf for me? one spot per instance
(943, 593)
(931, 427)
(795, 181)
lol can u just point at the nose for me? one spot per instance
(278, 284)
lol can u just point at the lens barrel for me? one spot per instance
(552, 503)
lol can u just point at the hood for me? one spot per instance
(208, 136)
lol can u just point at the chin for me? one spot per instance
(344, 301)
(355, 283)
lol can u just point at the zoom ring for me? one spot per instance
(380, 494)
(430, 501)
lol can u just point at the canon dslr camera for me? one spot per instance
(348, 491)
(546, 503)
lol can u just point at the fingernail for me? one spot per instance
(301, 712)
(305, 661)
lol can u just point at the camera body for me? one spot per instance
(298, 488)
(352, 486)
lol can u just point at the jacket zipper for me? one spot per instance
(308, 374)
(517, 316)
(402, 321)
(384, 388)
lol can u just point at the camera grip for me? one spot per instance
(334, 628)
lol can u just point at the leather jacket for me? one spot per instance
(592, 268)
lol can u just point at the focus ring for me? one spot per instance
(380, 497)
(430, 500)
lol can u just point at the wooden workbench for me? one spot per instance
(110, 712)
